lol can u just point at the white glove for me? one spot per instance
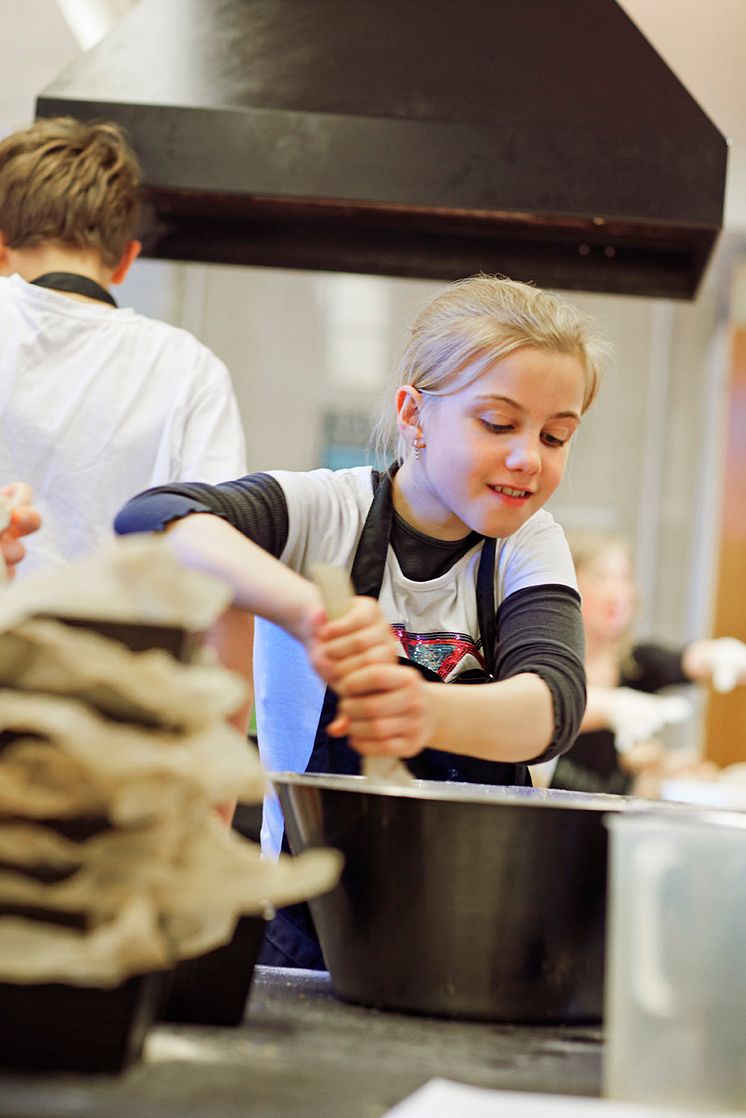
(636, 716)
(727, 658)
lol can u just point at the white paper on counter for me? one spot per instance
(442, 1098)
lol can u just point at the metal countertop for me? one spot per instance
(302, 1052)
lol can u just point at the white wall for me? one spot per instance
(37, 44)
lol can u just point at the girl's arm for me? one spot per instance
(213, 528)
(260, 583)
(533, 710)
(391, 710)
(264, 586)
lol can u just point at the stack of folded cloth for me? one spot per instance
(113, 861)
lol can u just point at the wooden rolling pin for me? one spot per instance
(337, 594)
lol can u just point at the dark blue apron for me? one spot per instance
(290, 939)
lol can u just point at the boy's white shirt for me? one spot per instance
(100, 403)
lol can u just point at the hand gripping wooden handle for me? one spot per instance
(337, 593)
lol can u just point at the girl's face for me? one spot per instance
(495, 450)
(607, 588)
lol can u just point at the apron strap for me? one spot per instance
(486, 603)
(78, 285)
(369, 563)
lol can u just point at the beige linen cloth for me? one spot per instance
(138, 744)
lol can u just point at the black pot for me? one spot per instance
(214, 988)
(459, 900)
(54, 1027)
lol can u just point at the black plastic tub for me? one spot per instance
(55, 1027)
(214, 988)
(459, 900)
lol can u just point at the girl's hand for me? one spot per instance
(383, 710)
(360, 637)
(18, 517)
(381, 702)
(727, 664)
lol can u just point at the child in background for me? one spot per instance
(460, 574)
(617, 750)
(97, 402)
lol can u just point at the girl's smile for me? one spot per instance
(493, 451)
(514, 497)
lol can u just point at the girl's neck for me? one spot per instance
(420, 508)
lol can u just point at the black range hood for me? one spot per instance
(541, 139)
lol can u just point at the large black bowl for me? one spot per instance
(458, 899)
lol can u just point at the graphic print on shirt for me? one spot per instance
(445, 655)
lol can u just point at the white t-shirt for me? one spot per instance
(326, 513)
(99, 403)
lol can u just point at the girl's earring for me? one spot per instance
(416, 452)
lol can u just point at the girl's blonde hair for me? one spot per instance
(472, 324)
